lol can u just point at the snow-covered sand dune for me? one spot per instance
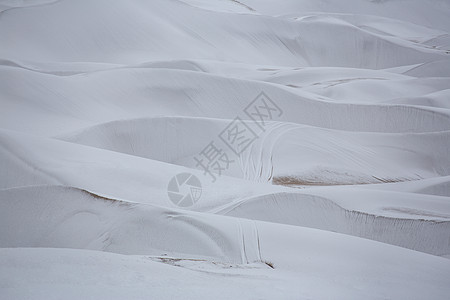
(77, 101)
(410, 219)
(343, 194)
(285, 152)
(239, 249)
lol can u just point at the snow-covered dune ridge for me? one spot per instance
(124, 227)
(115, 114)
(148, 189)
(76, 101)
(419, 234)
(230, 249)
(145, 30)
(106, 224)
(355, 223)
(282, 151)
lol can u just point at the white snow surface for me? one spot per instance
(344, 193)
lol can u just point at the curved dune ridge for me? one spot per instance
(75, 101)
(285, 151)
(125, 228)
(423, 235)
(342, 194)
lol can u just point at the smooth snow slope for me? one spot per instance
(229, 250)
(345, 194)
